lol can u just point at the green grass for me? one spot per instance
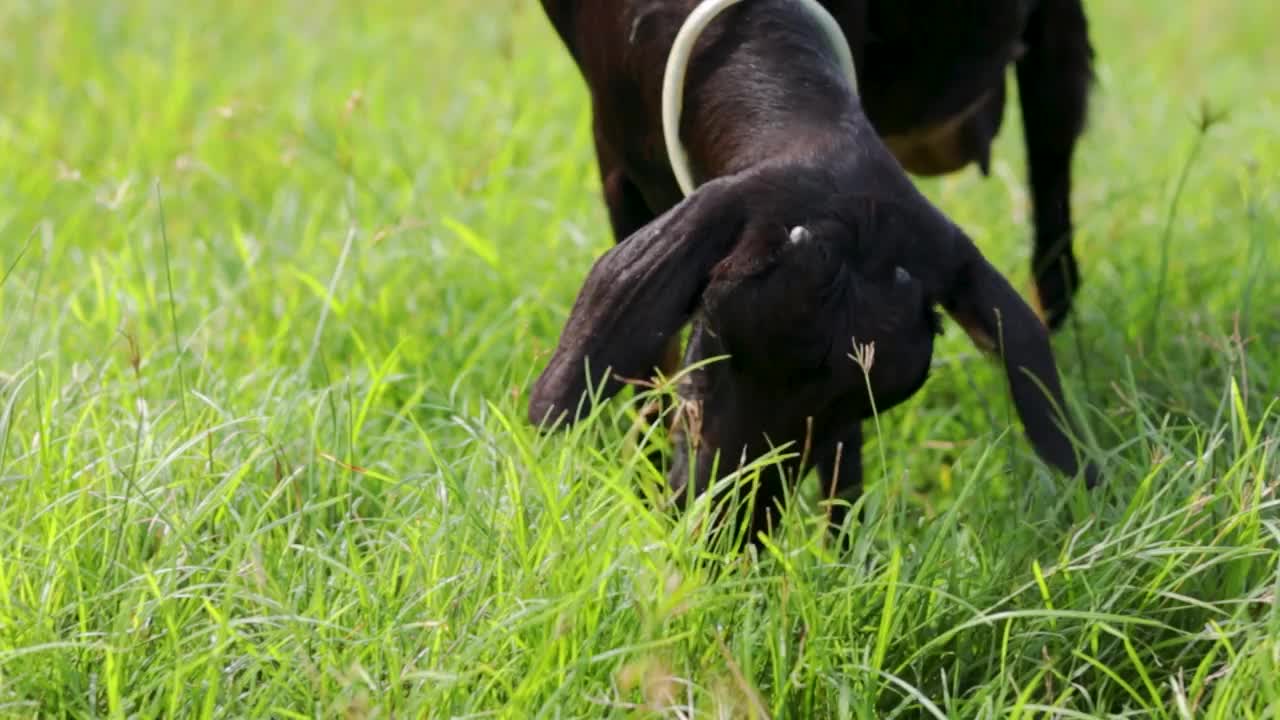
(277, 277)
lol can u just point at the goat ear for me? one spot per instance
(999, 321)
(636, 297)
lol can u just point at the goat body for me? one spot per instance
(806, 235)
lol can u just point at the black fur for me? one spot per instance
(778, 141)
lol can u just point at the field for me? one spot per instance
(275, 279)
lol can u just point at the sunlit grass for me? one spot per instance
(275, 279)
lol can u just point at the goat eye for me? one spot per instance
(901, 276)
(800, 234)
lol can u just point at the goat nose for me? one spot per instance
(901, 276)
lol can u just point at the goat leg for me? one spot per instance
(1054, 76)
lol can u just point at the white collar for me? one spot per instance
(678, 64)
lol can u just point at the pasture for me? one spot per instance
(275, 279)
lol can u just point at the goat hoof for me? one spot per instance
(1056, 286)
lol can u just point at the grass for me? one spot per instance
(275, 283)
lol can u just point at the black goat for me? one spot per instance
(806, 235)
